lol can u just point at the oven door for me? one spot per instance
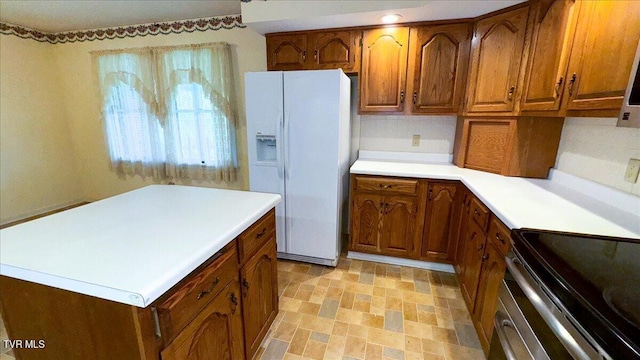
(520, 332)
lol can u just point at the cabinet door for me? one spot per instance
(551, 43)
(366, 222)
(438, 58)
(383, 74)
(495, 62)
(473, 252)
(399, 225)
(491, 275)
(287, 52)
(462, 234)
(603, 51)
(259, 295)
(336, 50)
(436, 241)
(215, 334)
(487, 144)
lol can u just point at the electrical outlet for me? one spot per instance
(416, 140)
(631, 175)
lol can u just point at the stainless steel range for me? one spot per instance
(569, 296)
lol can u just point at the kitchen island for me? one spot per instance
(151, 273)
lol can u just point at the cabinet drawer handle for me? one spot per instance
(571, 82)
(499, 238)
(245, 285)
(558, 85)
(261, 233)
(511, 91)
(203, 293)
(386, 186)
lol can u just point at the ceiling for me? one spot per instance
(59, 16)
(263, 16)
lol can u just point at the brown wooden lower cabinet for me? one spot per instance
(491, 275)
(471, 262)
(437, 243)
(259, 295)
(215, 334)
(217, 312)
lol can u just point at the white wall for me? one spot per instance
(38, 169)
(595, 149)
(83, 105)
(394, 133)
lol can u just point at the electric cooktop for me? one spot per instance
(597, 279)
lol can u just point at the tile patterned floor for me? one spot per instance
(365, 310)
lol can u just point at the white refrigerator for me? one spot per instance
(298, 125)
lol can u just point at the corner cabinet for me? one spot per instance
(383, 73)
(496, 55)
(438, 59)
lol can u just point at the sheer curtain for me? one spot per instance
(170, 111)
(135, 139)
(197, 89)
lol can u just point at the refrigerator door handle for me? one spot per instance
(280, 146)
(287, 169)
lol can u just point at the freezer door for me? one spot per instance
(311, 136)
(264, 108)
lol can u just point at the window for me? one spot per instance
(170, 112)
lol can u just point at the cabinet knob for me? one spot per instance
(304, 55)
(499, 238)
(511, 91)
(315, 55)
(558, 85)
(415, 97)
(402, 96)
(485, 257)
(234, 301)
(571, 82)
(245, 285)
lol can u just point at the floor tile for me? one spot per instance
(369, 311)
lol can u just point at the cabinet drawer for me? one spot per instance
(479, 213)
(252, 239)
(500, 235)
(192, 295)
(405, 186)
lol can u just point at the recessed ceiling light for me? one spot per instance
(391, 18)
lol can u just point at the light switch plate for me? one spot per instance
(416, 140)
(631, 175)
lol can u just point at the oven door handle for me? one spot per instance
(514, 264)
(500, 322)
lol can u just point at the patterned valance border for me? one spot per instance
(175, 27)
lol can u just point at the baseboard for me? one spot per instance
(42, 213)
(308, 259)
(428, 265)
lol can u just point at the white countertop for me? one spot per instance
(522, 202)
(133, 247)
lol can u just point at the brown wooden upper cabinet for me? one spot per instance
(314, 51)
(438, 59)
(604, 46)
(550, 46)
(496, 55)
(383, 74)
(287, 52)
